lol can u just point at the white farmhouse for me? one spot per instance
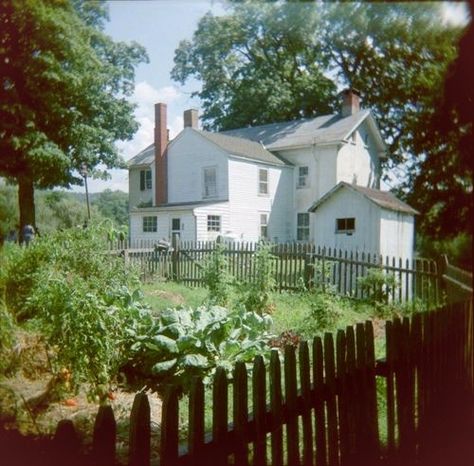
(252, 183)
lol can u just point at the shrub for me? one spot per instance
(182, 343)
(217, 278)
(378, 285)
(325, 309)
(256, 295)
(79, 296)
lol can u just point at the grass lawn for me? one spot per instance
(291, 311)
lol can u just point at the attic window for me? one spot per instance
(345, 225)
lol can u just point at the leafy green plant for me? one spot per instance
(217, 278)
(378, 285)
(7, 339)
(256, 295)
(81, 300)
(185, 342)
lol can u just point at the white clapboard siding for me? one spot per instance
(188, 155)
(246, 204)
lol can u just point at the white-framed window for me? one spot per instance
(209, 182)
(145, 180)
(213, 223)
(302, 227)
(345, 225)
(303, 180)
(262, 181)
(263, 226)
(150, 224)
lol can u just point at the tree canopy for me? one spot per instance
(64, 88)
(266, 62)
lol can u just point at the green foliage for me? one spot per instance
(79, 297)
(7, 339)
(458, 249)
(8, 209)
(185, 342)
(216, 277)
(256, 296)
(378, 285)
(113, 205)
(63, 99)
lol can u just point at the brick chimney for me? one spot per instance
(161, 161)
(350, 102)
(191, 118)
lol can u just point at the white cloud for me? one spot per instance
(145, 97)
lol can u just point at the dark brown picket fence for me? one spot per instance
(294, 265)
(325, 404)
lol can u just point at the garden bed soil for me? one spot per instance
(27, 408)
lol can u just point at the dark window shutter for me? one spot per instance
(142, 180)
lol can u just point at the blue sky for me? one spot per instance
(159, 25)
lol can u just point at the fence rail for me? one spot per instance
(319, 405)
(294, 265)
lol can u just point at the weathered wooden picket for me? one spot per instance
(321, 405)
(294, 266)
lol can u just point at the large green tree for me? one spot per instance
(274, 61)
(63, 94)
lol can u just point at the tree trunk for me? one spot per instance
(26, 201)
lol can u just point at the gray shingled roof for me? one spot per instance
(384, 199)
(319, 130)
(242, 147)
(145, 157)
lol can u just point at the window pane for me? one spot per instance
(213, 223)
(210, 184)
(148, 179)
(176, 224)
(150, 224)
(345, 224)
(263, 181)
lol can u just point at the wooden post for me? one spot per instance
(104, 438)
(292, 435)
(196, 421)
(305, 381)
(175, 259)
(170, 428)
(219, 416)
(240, 414)
(139, 444)
(259, 406)
(66, 444)
(276, 407)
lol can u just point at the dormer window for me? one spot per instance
(145, 180)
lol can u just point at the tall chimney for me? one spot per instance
(161, 161)
(350, 102)
(191, 118)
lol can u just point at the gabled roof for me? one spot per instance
(324, 129)
(232, 145)
(242, 147)
(145, 157)
(384, 199)
(258, 142)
